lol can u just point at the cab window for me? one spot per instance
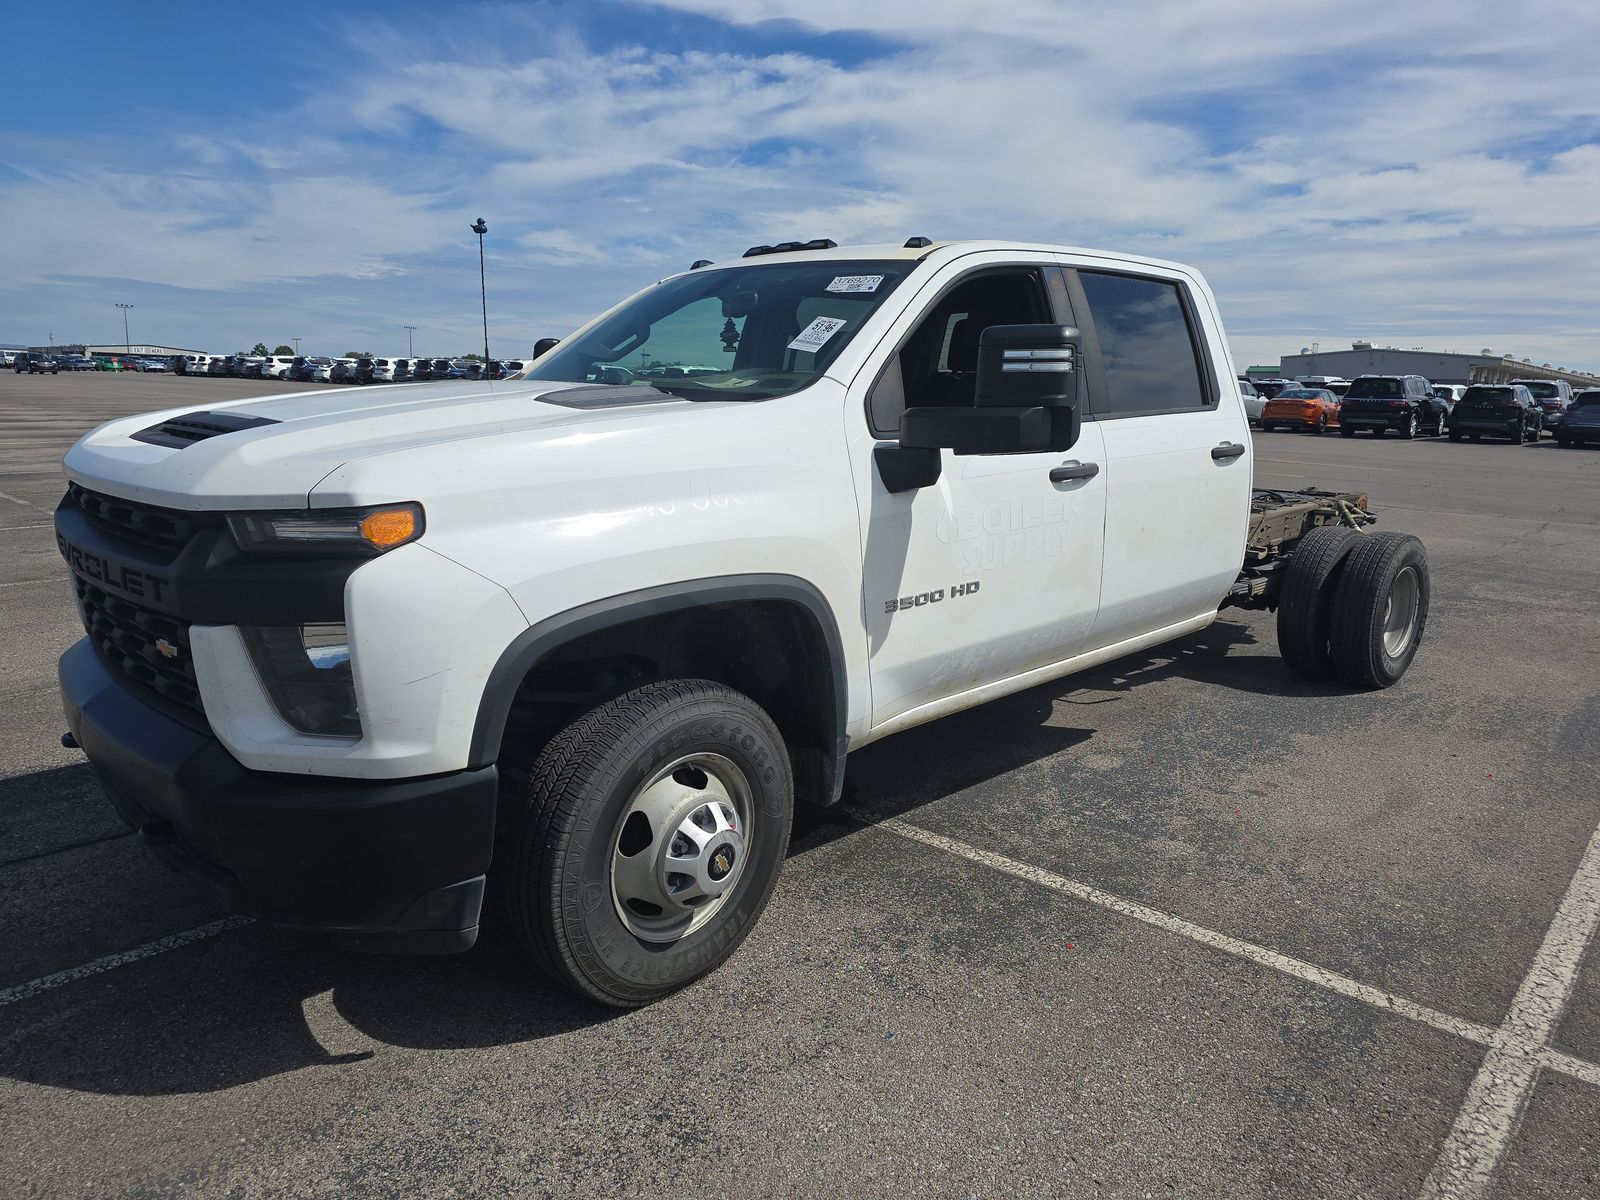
(1149, 355)
(937, 364)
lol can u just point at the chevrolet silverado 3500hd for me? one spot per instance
(588, 633)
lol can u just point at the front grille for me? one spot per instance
(164, 528)
(130, 638)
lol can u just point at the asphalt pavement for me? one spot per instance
(1185, 925)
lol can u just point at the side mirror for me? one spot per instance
(545, 344)
(1026, 399)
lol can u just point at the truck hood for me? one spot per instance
(270, 452)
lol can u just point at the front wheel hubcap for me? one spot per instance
(681, 847)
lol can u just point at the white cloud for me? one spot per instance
(1337, 168)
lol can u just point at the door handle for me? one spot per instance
(1227, 452)
(1074, 471)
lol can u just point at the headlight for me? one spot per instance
(329, 531)
(306, 671)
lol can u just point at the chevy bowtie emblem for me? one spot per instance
(166, 648)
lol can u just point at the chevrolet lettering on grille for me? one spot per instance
(131, 581)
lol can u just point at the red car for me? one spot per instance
(1316, 409)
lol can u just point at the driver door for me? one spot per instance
(994, 569)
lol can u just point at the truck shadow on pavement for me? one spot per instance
(257, 1002)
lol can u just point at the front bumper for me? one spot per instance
(396, 865)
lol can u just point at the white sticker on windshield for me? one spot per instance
(815, 335)
(855, 283)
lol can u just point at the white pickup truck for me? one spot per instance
(591, 631)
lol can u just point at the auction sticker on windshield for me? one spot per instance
(855, 283)
(815, 335)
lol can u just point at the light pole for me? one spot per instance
(410, 329)
(127, 342)
(296, 342)
(481, 227)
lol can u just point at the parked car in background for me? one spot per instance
(276, 367)
(1269, 388)
(1552, 396)
(188, 364)
(1580, 424)
(28, 362)
(301, 369)
(250, 366)
(1380, 403)
(341, 370)
(514, 366)
(1505, 410)
(8, 358)
(75, 362)
(218, 365)
(1447, 394)
(444, 368)
(1253, 400)
(1328, 383)
(387, 370)
(1316, 409)
(421, 368)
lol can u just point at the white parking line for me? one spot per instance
(1522, 1039)
(122, 958)
(14, 499)
(1500, 1091)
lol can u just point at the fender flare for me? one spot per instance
(544, 637)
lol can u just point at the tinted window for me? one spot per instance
(1498, 395)
(1146, 349)
(1586, 400)
(1375, 389)
(1544, 391)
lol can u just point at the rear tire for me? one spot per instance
(1380, 608)
(648, 765)
(1305, 603)
(1413, 426)
(1322, 425)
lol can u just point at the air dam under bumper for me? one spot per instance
(394, 865)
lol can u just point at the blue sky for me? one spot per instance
(1418, 174)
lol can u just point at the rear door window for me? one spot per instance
(1149, 355)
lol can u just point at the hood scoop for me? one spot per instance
(190, 428)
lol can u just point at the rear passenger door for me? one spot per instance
(1177, 446)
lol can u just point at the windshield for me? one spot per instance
(745, 333)
(1376, 389)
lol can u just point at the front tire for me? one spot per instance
(1380, 608)
(652, 835)
(1322, 424)
(1413, 426)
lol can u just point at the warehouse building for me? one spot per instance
(1363, 358)
(138, 349)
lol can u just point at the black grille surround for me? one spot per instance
(146, 524)
(148, 647)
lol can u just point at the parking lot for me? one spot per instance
(1185, 925)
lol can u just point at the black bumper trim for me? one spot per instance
(394, 865)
